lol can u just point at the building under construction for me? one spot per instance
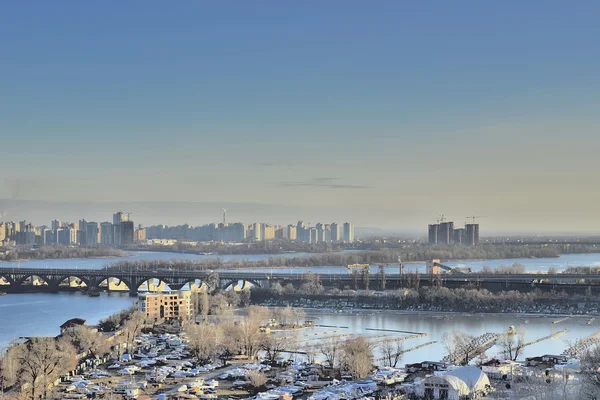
(444, 233)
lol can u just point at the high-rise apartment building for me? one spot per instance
(107, 234)
(320, 232)
(120, 217)
(446, 233)
(2, 231)
(127, 233)
(91, 234)
(66, 235)
(336, 234)
(432, 233)
(301, 232)
(257, 231)
(327, 233)
(313, 235)
(268, 232)
(460, 236)
(140, 234)
(348, 232)
(472, 234)
(56, 224)
(291, 232)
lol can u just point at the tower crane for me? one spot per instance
(472, 218)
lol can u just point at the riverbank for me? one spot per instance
(59, 252)
(439, 301)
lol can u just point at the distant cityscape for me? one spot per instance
(122, 232)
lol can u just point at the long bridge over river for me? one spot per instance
(21, 279)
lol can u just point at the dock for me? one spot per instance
(582, 345)
(393, 330)
(407, 350)
(552, 336)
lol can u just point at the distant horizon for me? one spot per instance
(42, 212)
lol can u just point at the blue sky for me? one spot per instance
(387, 113)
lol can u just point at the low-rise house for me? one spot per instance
(73, 322)
(546, 359)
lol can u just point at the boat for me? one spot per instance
(2, 293)
(94, 292)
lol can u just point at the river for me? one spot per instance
(531, 264)
(31, 314)
(435, 325)
(41, 314)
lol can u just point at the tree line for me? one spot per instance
(59, 251)
(411, 253)
(429, 297)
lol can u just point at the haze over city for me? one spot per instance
(387, 116)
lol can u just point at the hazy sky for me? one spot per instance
(387, 113)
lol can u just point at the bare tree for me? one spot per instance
(331, 351)
(257, 379)
(461, 347)
(274, 345)
(311, 353)
(132, 328)
(203, 304)
(392, 353)
(357, 357)
(311, 284)
(204, 341)
(7, 371)
(41, 361)
(258, 314)
(590, 369)
(231, 343)
(248, 332)
(512, 344)
(87, 340)
(289, 316)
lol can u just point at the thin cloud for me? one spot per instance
(323, 182)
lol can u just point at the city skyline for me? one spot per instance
(123, 232)
(387, 115)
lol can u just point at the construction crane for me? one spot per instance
(472, 218)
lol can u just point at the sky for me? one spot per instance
(384, 113)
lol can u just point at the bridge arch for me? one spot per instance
(6, 280)
(61, 280)
(105, 280)
(241, 283)
(33, 278)
(151, 283)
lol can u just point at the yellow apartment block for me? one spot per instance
(173, 305)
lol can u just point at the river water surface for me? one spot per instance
(32, 314)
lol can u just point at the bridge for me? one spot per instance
(23, 279)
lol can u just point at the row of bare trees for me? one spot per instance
(30, 368)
